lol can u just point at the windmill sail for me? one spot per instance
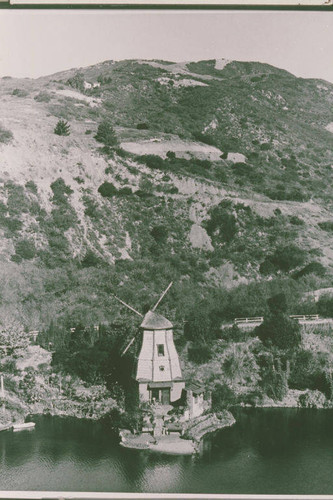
(126, 305)
(128, 346)
(163, 295)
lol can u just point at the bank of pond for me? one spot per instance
(267, 451)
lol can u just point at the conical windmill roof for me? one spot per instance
(154, 321)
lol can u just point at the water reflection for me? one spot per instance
(268, 451)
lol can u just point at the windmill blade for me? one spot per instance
(163, 294)
(128, 346)
(126, 305)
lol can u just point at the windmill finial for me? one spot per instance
(161, 297)
(126, 305)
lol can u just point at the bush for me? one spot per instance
(20, 93)
(106, 134)
(160, 234)
(62, 128)
(234, 334)
(5, 135)
(206, 139)
(91, 260)
(171, 155)
(107, 190)
(43, 97)
(32, 186)
(222, 220)
(142, 126)
(25, 249)
(222, 398)
(200, 353)
(279, 330)
(325, 306)
(283, 259)
(312, 268)
(77, 81)
(60, 191)
(311, 399)
(152, 161)
(326, 225)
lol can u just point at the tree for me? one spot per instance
(12, 336)
(62, 128)
(222, 221)
(273, 379)
(277, 328)
(240, 366)
(106, 134)
(222, 397)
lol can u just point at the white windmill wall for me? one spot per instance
(174, 359)
(154, 367)
(161, 364)
(145, 359)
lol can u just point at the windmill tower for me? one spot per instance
(157, 370)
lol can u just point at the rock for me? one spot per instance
(236, 157)
(200, 239)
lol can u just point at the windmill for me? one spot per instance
(157, 371)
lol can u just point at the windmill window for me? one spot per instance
(160, 349)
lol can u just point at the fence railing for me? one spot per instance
(260, 319)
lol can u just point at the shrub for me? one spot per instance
(171, 155)
(106, 134)
(62, 128)
(160, 234)
(325, 306)
(326, 225)
(20, 93)
(31, 185)
(60, 191)
(25, 249)
(279, 330)
(91, 260)
(310, 399)
(283, 259)
(234, 334)
(5, 135)
(125, 191)
(107, 190)
(296, 221)
(223, 221)
(199, 353)
(43, 97)
(152, 161)
(77, 81)
(205, 138)
(312, 268)
(222, 398)
(142, 126)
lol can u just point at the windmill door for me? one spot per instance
(165, 396)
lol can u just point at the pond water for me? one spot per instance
(272, 451)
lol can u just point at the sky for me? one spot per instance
(37, 43)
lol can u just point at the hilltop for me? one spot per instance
(219, 165)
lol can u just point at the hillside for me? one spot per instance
(219, 165)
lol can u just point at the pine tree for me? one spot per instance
(62, 128)
(106, 134)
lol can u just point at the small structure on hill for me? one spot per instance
(198, 400)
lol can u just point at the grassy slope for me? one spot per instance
(246, 102)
